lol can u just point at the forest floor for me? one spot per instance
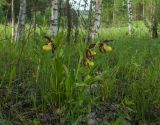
(122, 88)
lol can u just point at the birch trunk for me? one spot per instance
(143, 10)
(88, 24)
(54, 18)
(130, 16)
(13, 21)
(96, 27)
(21, 20)
(114, 11)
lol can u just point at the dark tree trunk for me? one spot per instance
(77, 22)
(60, 14)
(154, 29)
(35, 16)
(89, 22)
(69, 21)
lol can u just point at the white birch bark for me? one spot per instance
(114, 11)
(97, 19)
(143, 9)
(130, 16)
(54, 18)
(13, 20)
(21, 20)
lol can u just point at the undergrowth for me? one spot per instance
(37, 87)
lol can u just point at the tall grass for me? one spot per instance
(35, 83)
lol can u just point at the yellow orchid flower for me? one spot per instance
(104, 48)
(90, 53)
(88, 63)
(47, 47)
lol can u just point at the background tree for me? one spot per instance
(13, 20)
(130, 16)
(152, 17)
(21, 20)
(97, 20)
(54, 17)
(114, 13)
(69, 23)
(155, 9)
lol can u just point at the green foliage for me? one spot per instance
(36, 83)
